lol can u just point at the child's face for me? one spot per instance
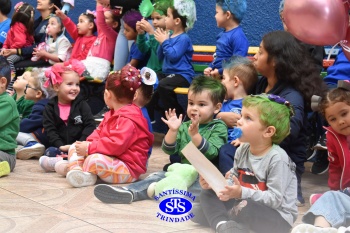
(169, 20)
(200, 105)
(260, 61)
(229, 83)
(84, 25)
(220, 17)
(109, 19)
(158, 20)
(31, 92)
(69, 89)
(338, 117)
(20, 84)
(129, 32)
(251, 126)
(53, 27)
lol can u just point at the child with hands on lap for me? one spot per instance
(261, 191)
(67, 117)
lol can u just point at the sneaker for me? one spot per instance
(32, 149)
(322, 143)
(78, 178)
(321, 164)
(314, 198)
(231, 226)
(4, 168)
(61, 167)
(307, 228)
(48, 163)
(113, 195)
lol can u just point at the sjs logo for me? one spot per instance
(175, 206)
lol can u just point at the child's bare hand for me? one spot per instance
(139, 30)
(81, 147)
(161, 35)
(228, 174)
(172, 120)
(230, 192)
(8, 52)
(147, 27)
(207, 71)
(59, 13)
(10, 92)
(194, 126)
(203, 183)
(64, 148)
(236, 142)
(215, 73)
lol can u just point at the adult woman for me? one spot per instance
(288, 71)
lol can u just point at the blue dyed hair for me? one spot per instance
(281, 6)
(5, 69)
(236, 7)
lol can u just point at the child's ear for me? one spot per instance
(228, 14)
(39, 94)
(217, 108)
(236, 81)
(55, 87)
(177, 21)
(3, 82)
(116, 24)
(270, 131)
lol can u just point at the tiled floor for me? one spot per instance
(34, 201)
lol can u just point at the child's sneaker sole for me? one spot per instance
(113, 195)
(78, 178)
(30, 152)
(307, 228)
(4, 168)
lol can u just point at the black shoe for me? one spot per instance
(321, 164)
(321, 144)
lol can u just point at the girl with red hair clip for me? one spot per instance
(117, 151)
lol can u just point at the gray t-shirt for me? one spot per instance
(269, 179)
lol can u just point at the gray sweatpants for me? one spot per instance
(11, 159)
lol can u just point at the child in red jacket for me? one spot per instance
(117, 150)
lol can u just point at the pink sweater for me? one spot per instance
(103, 47)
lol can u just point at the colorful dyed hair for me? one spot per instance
(24, 13)
(39, 80)
(244, 69)
(334, 96)
(215, 87)
(5, 69)
(123, 83)
(271, 114)
(237, 8)
(131, 17)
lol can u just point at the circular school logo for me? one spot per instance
(175, 205)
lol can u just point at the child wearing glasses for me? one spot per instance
(31, 131)
(24, 106)
(262, 186)
(231, 41)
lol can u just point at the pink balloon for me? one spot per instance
(317, 22)
(347, 43)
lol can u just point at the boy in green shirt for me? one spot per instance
(9, 121)
(208, 134)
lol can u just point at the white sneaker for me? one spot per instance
(307, 228)
(78, 178)
(61, 167)
(32, 149)
(48, 163)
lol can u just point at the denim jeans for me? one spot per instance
(334, 206)
(139, 188)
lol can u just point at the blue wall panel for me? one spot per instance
(261, 17)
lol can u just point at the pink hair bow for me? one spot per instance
(17, 6)
(91, 13)
(54, 73)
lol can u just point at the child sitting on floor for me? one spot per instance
(261, 190)
(205, 98)
(9, 122)
(31, 131)
(117, 151)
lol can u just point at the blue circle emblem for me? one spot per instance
(175, 206)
